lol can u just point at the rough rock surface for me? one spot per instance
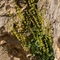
(10, 48)
(53, 15)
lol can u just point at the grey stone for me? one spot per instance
(53, 16)
(3, 21)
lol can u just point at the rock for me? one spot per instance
(3, 54)
(16, 58)
(10, 47)
(3, 21)
(52, 15)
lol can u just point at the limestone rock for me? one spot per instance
(10, 47)
(53, 16)
(3, 21)
(3, 54)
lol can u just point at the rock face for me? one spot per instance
(53, 15)
(10, 48)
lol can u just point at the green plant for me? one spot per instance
(39, 39)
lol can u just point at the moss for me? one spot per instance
(39, 41)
